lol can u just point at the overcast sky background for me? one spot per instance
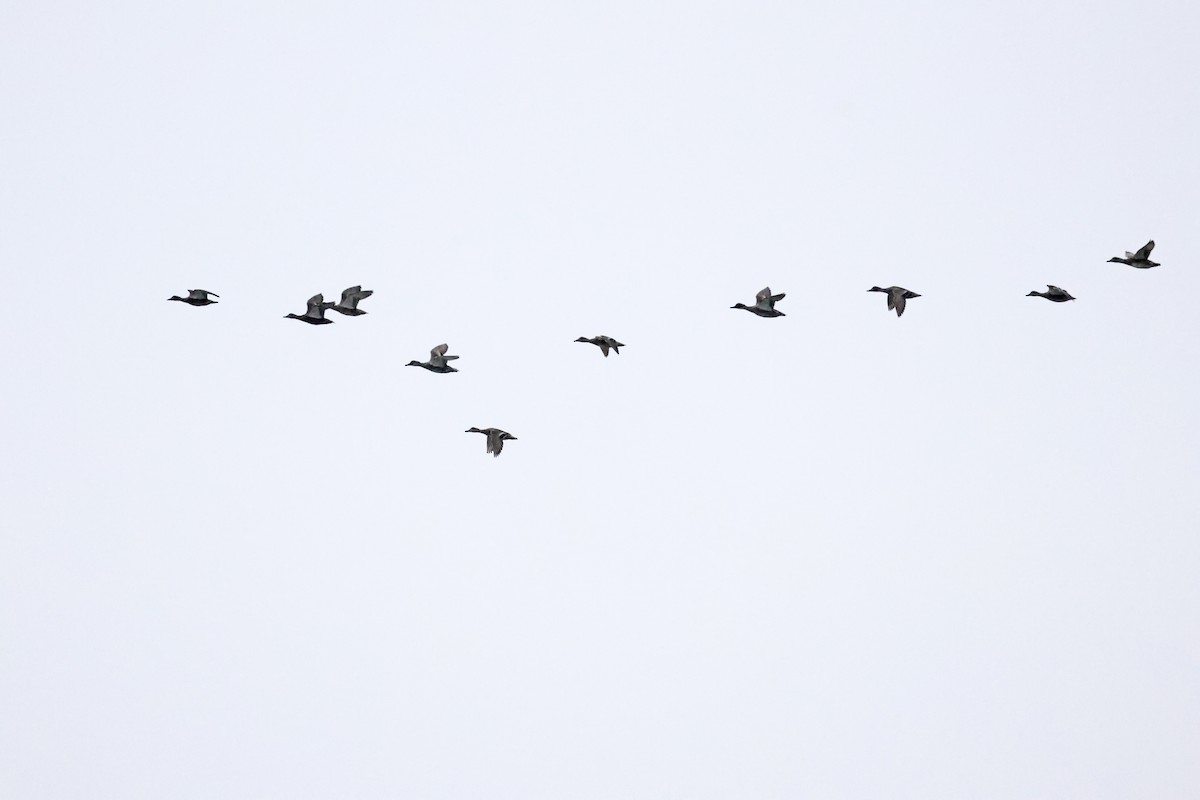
(831, 555)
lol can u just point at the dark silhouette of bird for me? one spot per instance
(1053, 294)
(1138, 260)
(896, 297)
(604, 343)
(196, 297)
(315, 315)
(764, 304)
(495, 438)
(437, 360)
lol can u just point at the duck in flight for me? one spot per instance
(896, 297)
(1138, 260)
(348, 305)
(1053, 294)
(315, 315)
(604, 343)
(495, 438)
(437, 361)
(196, 297)
(764, 304)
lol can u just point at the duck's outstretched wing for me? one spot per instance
(317, 306)
(765, 300)
(1144, 253)
(900, 304)
(352, 296)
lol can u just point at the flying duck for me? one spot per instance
(495, 438)
(896, 297)
(437, 361)
(196, 297)
(764, 304)
(1053, 294)
(1140, 259)
(604, 343)
(348, 305)
(315, 315)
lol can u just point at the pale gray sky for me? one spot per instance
(832, 555)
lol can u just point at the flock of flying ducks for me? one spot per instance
(764, 306)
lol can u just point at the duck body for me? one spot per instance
(495, 438)
(315, 315)
(1053, 294)
(437, 360)
(605, 343)
(1138, 260)
(764, 304)
(196, 297)
(348, 305)
(896, 297)
(444, 368)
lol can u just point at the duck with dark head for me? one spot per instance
(315, 314)
(196, 297)
(1138, 260)
(896, 297)
(764, 304)
(495, 438)
(1053, 294)
(437, 360)
(605, 343)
